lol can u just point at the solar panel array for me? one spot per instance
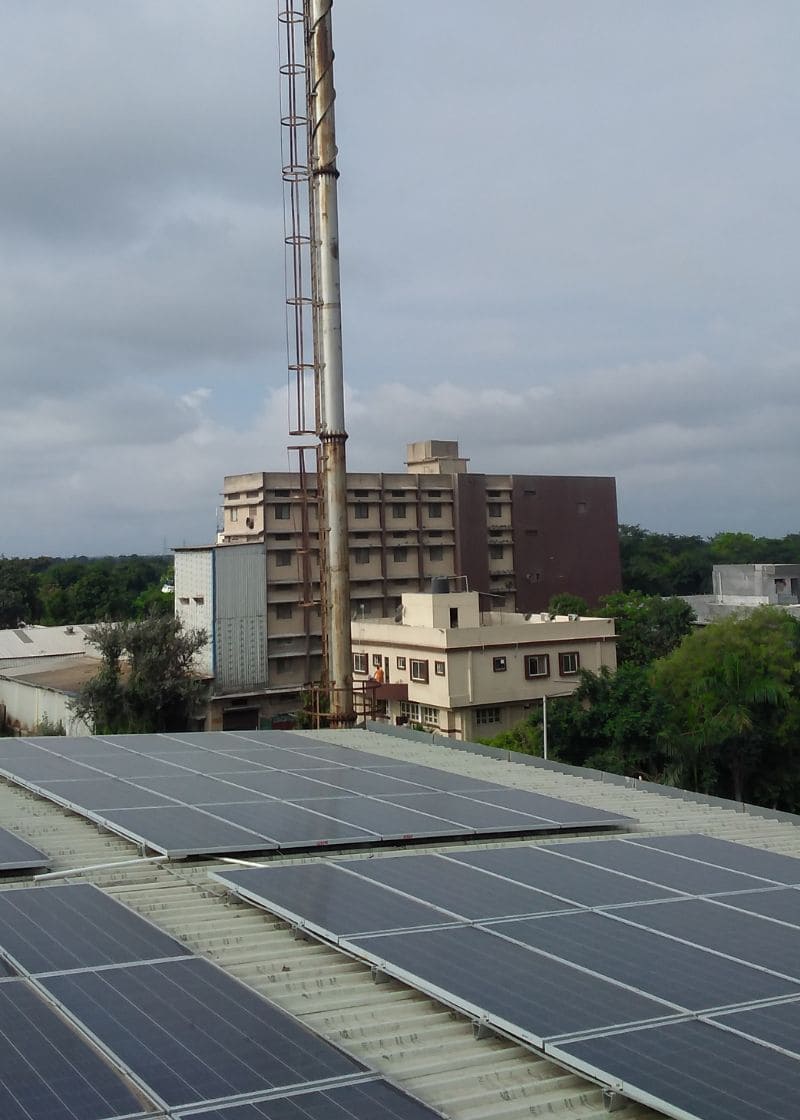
(667, 967)
(17, 854)
(223, 792)
(103, 1015)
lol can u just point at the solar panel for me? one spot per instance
(47, 1071)
(180, 831)
(192, 1033)
(781, 903)
(49, 929)
(683, 975)
(366, 1100)
(159, 791)
(575, 882)
(485, 975)
(292, 826)
(693, 1070)
(465, 891)
(657, 867)
(778, 1024)
(725, 853)
(102, 793)
(387, 821)
(330, 900)
(740, 936)
(17, 855)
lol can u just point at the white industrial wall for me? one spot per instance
(27, 704)
(194, 599)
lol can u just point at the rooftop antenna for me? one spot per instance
(314, 320)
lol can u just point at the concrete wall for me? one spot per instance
(28, 704)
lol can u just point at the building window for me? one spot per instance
(454, 618)
(252, 511)
(184, 600)
(283, 559)
(281, 536)
(360, 663)
(537, 665)
(492, 493)
(438, 668)
(377, 660)
(496, 552)
(400, 555)
(282, 511)
(398, 510)
(429, 715)
(361, 555)
(235, 513)
(281, 664)
(283, 610)
(436, 552)
(499, 664)
(199, 599)
(434, 509)
(231, 497)
(569, 663)
(532, 532)
(419, 671)
(410, 710)
(361, 493)
(494, 509)
(362, 511)
(281, 493)
(487, 715)
(401, 663)
(583, 507)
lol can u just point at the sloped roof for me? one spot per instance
(410, 1038)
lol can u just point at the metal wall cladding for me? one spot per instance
(240, 622)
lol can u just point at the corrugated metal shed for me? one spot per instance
(240, 595)
(412, 1039)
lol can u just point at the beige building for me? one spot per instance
(468, 673)
(515, 539)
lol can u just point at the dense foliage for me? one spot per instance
(714, 709)
(669, 564)
(57, 592)
(146, 681)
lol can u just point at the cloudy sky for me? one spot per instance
(569, 240)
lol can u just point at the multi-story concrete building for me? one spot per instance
(515, 539)
(468, 673)
(519, 538)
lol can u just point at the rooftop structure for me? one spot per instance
(739, 588)
(446, 664)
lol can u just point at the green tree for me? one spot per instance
(731, 691)
(18, 597)
(647, 626)
(146, 681)
(565, 603)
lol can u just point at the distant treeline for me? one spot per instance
(669, 564)
(53, 591)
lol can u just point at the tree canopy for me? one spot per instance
(146, 681)
(646, 626)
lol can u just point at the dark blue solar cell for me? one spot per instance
(50, 929)
(47, 1071)
(329, 898)
(578, 883)
(180, 831)
(689, 977)
(192, 1033)
(463, 890)
(367, 1100)
(17, 855)
(656, 867)
(725, 853)
(692, 1069)
(520, 990)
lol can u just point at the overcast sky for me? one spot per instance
(569, 240)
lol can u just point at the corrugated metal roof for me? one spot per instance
(43, 641)
(418, 1043)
